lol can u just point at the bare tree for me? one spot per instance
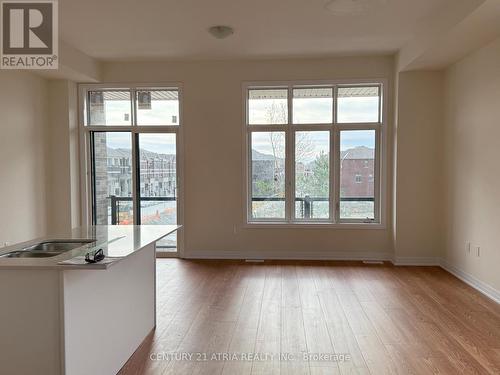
(277, 113)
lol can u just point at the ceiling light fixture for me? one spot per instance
(353, 7)
(221, 32)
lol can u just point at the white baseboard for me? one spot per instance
(477, 284)
(283, 255)
(416, 261)
(271, 255)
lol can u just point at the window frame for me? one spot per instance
(85, 139)
(335, 128)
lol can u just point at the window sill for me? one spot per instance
(338, 226)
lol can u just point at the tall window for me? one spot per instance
(132, 137)
(314, 152)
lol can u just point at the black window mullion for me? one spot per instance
(135, 159)
(137, 167)
(92, 177)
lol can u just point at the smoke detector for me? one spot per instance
(221, 32)
(353, 7)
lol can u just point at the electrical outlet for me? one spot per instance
(467, 247)
(478, 251)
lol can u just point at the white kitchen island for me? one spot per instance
(79, 319)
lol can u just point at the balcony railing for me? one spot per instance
(115, 214)
(307, 202)
(115, 204)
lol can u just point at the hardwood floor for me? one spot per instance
(382, 319)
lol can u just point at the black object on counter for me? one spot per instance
(94, 257)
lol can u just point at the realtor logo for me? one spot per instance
(29, 35)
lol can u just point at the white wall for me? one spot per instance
(213, 155)
(472, 164)
(23, 156)
(63, 155)
(419, 202)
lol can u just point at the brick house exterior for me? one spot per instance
(357, 172)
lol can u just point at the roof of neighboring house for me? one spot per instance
(126, 153)
(119, 152)
(361, 152)
(153, 155)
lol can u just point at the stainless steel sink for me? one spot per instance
(30, 254)
(58, 246)
(47, 249)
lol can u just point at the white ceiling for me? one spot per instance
(177, 29)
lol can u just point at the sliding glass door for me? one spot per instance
(158, 182)
(133, 137)
(112, 178)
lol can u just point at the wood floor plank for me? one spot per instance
(293, 335)
(342, 337)
(199, 336)
(374, 353)
(268, 341)
(388, 320)
(168, 339)
(456, 289)
(318, 339)
(447, 336)
(245, 333)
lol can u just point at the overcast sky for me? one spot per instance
(319, 110)
(316, 110)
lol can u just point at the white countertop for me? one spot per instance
(124, 240)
